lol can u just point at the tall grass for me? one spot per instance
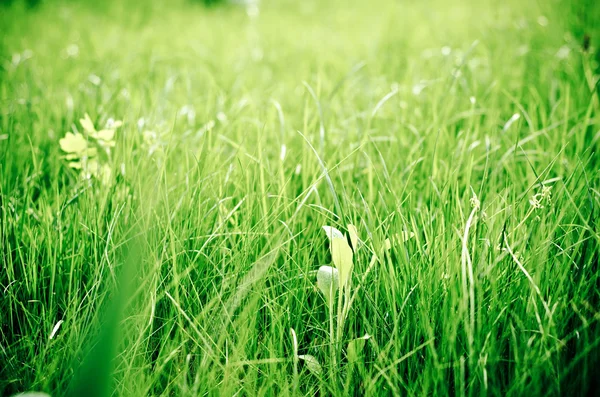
(472, 125)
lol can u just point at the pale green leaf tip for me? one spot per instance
(332, 232)
(312, 364)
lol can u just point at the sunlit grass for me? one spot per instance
(459, 139)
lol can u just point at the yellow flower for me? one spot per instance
(104, 137)
(73, 143)
(82, 153)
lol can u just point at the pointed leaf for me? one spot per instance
(341, 254)
(332, 232)
(294, 342)
(312, 364)
(355, 348)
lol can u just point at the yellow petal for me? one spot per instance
(105, 135)
(87, 124)
(90, 152)
(75, 164)
(92, 166)
(73, 143)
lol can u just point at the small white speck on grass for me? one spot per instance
(72, 51)
(298, 169)
(283, 152)
(446, 50)
(252, 10)
(16, 59)
(474, 145)
(55, 329)
(170, 83)
(542, 20)
(510, 121)
(426, 54)
(189, 112)
(69, 103)
(563, 52)
(222, 117)
(3, 137)
(257, 54)
(141, 123)
(95, 80)
(473, 100)
(205, 128)
(522, 50)
(19, 58)
(418, 88)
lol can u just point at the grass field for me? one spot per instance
(454, 146)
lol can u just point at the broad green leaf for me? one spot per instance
(353, 232)
(355, 348)
(341, 254)
(73, 143)
(87, 124)
(312, 364)
(328, 281)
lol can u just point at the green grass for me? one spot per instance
(185, 274)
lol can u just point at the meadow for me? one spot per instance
(289, 198)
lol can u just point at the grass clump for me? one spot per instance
(450, 149)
